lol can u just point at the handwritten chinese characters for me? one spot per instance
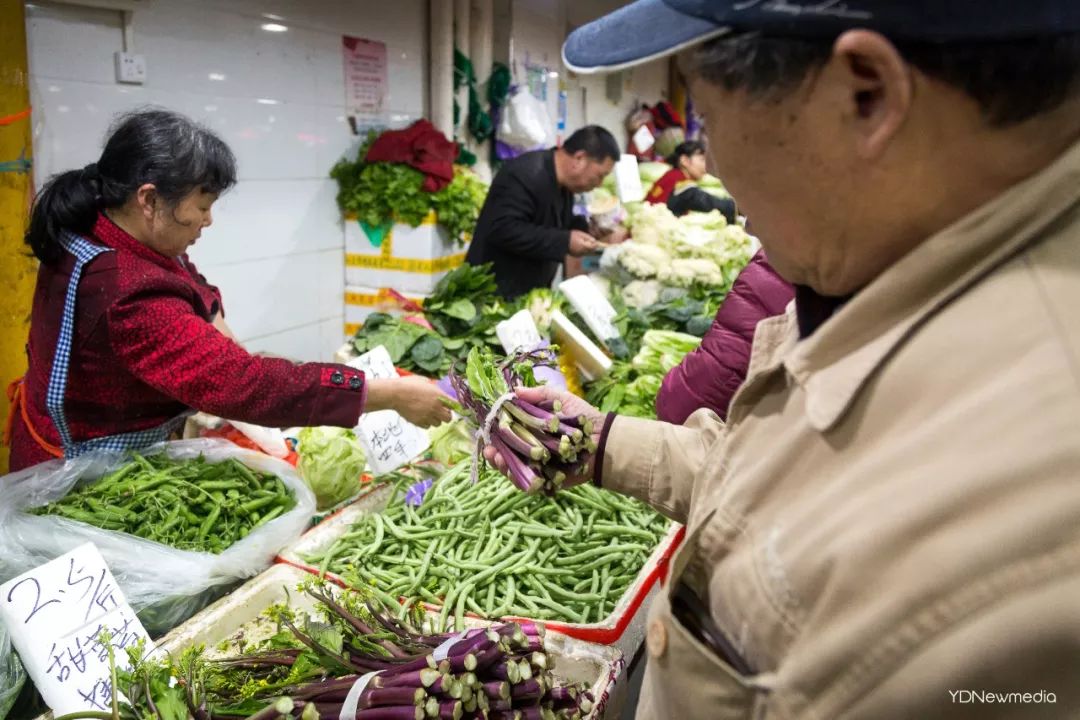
(62, 616)
(389, 439)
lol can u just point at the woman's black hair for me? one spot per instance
(161, 147)
(686, 149)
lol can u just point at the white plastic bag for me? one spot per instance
(163, 584)
(525, 123)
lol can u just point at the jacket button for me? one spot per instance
(338, 377)
(656, 638)
(355, 382)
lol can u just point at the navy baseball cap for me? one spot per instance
(650, 29)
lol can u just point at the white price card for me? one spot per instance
(644, 139)
(57, 615)
(628, 180)
(389, 440)
(591, 304)
(375, 363)
(518, 332)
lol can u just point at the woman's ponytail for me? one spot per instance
(69, 202)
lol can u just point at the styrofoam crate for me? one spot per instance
(623, 629)
(409, 259)
(575, 661)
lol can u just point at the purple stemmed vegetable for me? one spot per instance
(540, 445)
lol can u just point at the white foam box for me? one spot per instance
(361, 301)
(408, 259)
(623, 629)
(600, 667)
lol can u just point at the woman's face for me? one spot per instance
(174, 229)
(694, 165)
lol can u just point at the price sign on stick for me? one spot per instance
(57, 615)
(591, 304)
(389, 440)
(518, 333)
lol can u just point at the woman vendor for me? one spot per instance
(127, 339)
(688, 165)
(678, 189)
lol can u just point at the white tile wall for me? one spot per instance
(276, 247)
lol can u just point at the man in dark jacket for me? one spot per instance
(527, 226)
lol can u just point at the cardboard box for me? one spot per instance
(408, 259)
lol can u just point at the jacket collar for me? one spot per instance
(835, 363)
(111, 235)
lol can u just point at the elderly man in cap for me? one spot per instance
(888, 524)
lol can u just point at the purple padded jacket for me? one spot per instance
(709, 376)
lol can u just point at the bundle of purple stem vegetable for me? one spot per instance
(541, 445)
(500, 672)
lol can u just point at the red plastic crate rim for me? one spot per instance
(588, 633)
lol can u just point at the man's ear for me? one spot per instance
(147, 198)
(880, 87)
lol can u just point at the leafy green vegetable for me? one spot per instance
(378, 193)
(395, 334)
(451, 442)
(331, 463)
(630, 388)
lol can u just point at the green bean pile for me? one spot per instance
(490, 549)
(186, 504)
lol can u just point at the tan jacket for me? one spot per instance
(893, 510)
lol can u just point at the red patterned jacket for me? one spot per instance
(145, 350)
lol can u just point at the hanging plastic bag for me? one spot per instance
(163, 584)
(525, 122)
(12, 674)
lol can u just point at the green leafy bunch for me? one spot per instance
(380, 192)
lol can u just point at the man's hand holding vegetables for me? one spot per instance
(571, 406)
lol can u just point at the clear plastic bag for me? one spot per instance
(525, 123)
(163, 584)
(12, 674)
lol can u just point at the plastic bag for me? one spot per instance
(12, 674)
(164, 585)
(525, 123)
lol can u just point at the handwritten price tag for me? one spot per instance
(375, 363)
(518, 333)
(389, 440)
(591, 305)
(56, 615)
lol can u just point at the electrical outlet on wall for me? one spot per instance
(130, 68)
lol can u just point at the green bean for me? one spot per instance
(491, 550)
(188, 504)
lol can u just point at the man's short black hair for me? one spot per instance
(1012, 81)
(597, 143)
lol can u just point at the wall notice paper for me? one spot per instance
(628, 180)
(389, 440)
(518, 332)
(591, 304)
(56, 615)
(366, 83)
